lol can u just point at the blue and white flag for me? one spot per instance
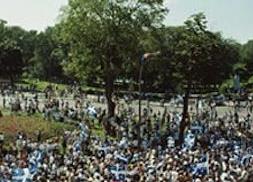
(38, 155)
(118, 172)
(33, 166)
(151, 169)
(246, 159)
(135, 157)
(105, 149)
(92, 111)
(21, 175)
(77, 146)
(177, 118)
(102, 151)
(201, 168)
(84, 134)
(170, 142)
(189, 141)
(35, 161)
(197, 129)
(123, 143)
(122, 159)
(221, 142)
(26, 174)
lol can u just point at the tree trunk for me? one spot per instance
(109, 87)
(184, 123)
(11, 80)
(140, 98)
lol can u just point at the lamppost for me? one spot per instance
(144, 58)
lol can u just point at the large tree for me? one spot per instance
(246, 63)
(48, 55)
(198, 57)
(104, 35)
(37, 55)
(11, 62)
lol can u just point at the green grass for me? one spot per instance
(5, 111)
(10, 125)
(41, 85)
(98, 130)
(95, 89)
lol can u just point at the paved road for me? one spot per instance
(156, 106)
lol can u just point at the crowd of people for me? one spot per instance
(216, 148)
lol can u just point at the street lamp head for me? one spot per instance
(146, 56)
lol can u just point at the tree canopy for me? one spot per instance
(198, 57)
(11, 62)
(102, 41)
(106, 36)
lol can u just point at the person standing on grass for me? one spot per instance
(1, 139)
(64, 142)
(4, 101)
(39, 136)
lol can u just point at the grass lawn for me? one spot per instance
(41, 85)
(10, 125)
(97, 130)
